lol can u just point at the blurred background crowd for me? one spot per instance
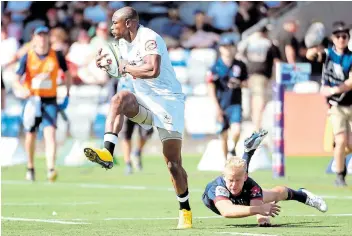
(191, 30)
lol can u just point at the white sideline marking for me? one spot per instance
(323, 215)
(128, 187)
(70, 221)
(247, 234)
(47, 203)
(160, 218)
(44, 221)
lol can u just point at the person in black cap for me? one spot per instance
(337, 88)
(41, 65)
(225, 79)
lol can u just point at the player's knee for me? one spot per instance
(119, 98)
(281, 193)
(173, 167)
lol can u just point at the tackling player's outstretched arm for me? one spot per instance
(229, 210)
(149, 70)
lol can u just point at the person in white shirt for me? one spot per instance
(158, 100)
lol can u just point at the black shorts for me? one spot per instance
(128, 127)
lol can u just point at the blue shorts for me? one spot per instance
(49, 110)
(233, 114)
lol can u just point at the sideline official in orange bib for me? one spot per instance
(41, 66)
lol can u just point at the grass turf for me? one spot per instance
(144, 203)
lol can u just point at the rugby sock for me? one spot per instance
(343, 173)
(110, 140)
(247, 157)
(138, 152)
(296, 195)
(183, 199)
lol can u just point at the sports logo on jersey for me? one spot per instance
(236, 70)
(256, 192)
(150, 45)
(221, 191)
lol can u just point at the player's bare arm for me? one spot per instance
(148, 70)
(229, 210)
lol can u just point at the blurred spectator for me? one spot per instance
(260, 55)
(13, 29)
(53, 19)
(59, 40)
(101, 37)
(288, 44)
(81, 61)
(201, 22)
(336, 87)
(201, 34)
(78, 23)
(96, 12)
(174, 27)
(201, 39)
(8, 47)
(247, 16)
(19, 9)
(222, 15)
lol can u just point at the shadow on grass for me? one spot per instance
(304, 224)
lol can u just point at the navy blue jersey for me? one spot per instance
(216, 191)
(337, 69)
(227, 82)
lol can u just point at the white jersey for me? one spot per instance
(163, 95)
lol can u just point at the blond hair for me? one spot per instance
(234, 164)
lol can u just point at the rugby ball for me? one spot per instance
(110, 63)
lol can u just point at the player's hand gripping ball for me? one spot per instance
(107, 60)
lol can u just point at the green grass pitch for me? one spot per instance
(92, 201)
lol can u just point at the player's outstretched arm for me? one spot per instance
(229, 210)
(149, 70)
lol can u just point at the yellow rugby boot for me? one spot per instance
(185, 219)
(101, 156)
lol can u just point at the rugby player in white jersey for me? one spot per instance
(158, 100)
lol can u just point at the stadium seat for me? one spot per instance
(99, 126)
(306, 87)
(196, 72)
(181, 74)
(207, 56)
(10, 125)
(200, 90)
(179, 57)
